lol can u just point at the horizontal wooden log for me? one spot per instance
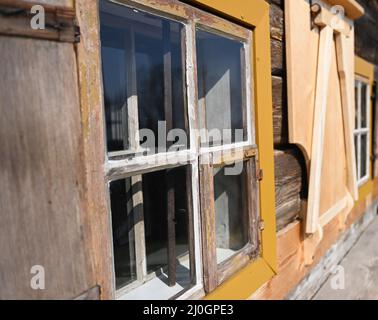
(280, 120)
(277, 56)
(279, 3)
(366, 35)
(288, 185)
(60, 25)
(276, 22)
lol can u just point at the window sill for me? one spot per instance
(155, 289)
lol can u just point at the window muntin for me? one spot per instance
(362, 129)
(120, 166)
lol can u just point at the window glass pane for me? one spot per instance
(363, 106)
(230, 213)
(364, 155)
(144, 200)
(356, 125)
(220, 85)
(356, 153)
(123, 237)
(142, 68)
(155, 187)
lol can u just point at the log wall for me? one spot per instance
(290, 176)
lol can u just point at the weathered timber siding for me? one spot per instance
(366, 46)
(289, 168)
(41, 166)
(366, 32)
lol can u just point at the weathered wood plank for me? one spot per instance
(366, 36)
(277, 54)
(41, 170)
(288, 183)
(276, 22)
(279, 3)
(208, 228)
(96, 215)
(280, 120)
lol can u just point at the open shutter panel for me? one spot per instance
(321, 108)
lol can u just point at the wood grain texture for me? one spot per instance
(41, 171)
(45, 3)
(276, 22)
(96, 214)
(67, 3)
(277, 54)
(301, 64)
(291, 269)
(289, 182)
(280, 120)
(346, 74)
(209, 259)
(366, 36)
(318, 133)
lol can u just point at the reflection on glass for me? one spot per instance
(356, 154)
(356, 124)
(220, 84)
(230, 214)
(143, 199)
(123, 239)
(141, 61)
(363, 105)
(155, 216)
(364, 148)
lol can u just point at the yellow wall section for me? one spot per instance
(255, 14)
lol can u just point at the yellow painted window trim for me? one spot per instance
(255, 14)
(366, 70)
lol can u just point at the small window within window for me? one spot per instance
(143, 74)
(231, 220)
(221, 81)
(150, 229)
(362, 129)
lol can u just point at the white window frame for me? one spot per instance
(358, 132)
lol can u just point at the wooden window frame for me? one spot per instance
(365, 70)
(194, 18)
(254, 15)
(359, 132)
(216, 273)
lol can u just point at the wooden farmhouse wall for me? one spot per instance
(45, 180)
(294, 263)
(321, 109)
(53, 202)
(366, 47)
(290, 177)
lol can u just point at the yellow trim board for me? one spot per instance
(241, 285)
(255, 15)
(366, 70)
